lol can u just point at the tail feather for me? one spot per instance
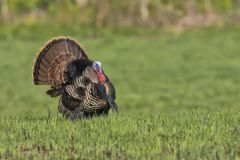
(41, 73)
(38, 82)
(43, 78)
(50, 64)
(45, 63)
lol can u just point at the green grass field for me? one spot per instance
(178, 95)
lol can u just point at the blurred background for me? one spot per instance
(113, 13)
(162, 55)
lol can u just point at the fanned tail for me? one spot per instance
(51, 63)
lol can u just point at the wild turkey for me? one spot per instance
(84, 88)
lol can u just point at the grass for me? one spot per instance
(186, 135)
(178, 96)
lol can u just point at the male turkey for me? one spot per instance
(84, 88)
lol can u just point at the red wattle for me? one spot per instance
(101, 77)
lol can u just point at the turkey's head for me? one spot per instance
(95, 72)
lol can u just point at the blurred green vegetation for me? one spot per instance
(101, 13)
